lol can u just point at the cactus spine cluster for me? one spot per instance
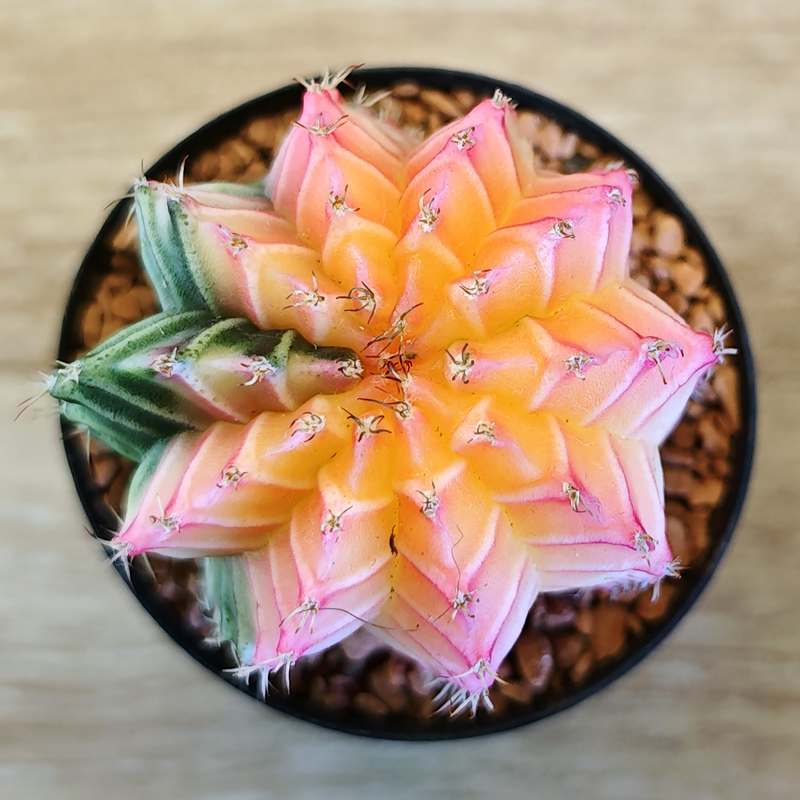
(404, 386)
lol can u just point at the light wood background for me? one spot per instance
(95, 702)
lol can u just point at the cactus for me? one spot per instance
(396, 385)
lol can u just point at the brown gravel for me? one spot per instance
(667, 235)
(534, 655)
(569, 639)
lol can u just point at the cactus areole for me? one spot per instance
(396, 384)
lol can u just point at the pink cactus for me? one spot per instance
(498, 436)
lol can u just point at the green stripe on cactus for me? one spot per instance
(228, 593)
(164, 254)
(163, 292)
(144, 471)
(253, 190)
(117, 410)
(154, 331)
(241, 335)
(129, 443)
(191, 271)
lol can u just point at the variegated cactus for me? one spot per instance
(403, 386)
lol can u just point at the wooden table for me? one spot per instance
(94, 701)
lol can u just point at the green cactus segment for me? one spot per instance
(183, 253)
(228, 593)
(114, 392)
(124, 440)
(240, 192)
(148, 462)
(166, 249)
(176, 372)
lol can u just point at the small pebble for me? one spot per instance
(566, 648)
(702, 463)
(688, 277)
(716, 309)
(589, 150)
(692, 255)
(714, 440)
(336, 697)
(634, 623)
(416, 114)
(104, 468)
(568, 146)
(676, 456)
(387, 682)
(608, 631)
(406, 90)
(621, 593)
(584, 620)
(654, 609)
(145, 299)
(642, 205)
(125, 262)
(90, 322)
(125, 237)
(117, 282)
(126, 307)
(361, 644)
(559, 612)
(678, 302)
(498, 700)
(706, 493)
(537, 613)
(667, 235)
(677, 482)
(699, 318)
(117, 489)
(534, 655)
(582, 666)
(203, 168)
(441, 102)
(254, 171)
(518, 691)
(697, 522)
(261, 132)
(435, 121)
(694, 410)
(721, 466)
(464, 98)
(370, 705)
(726, 384)
(640, 237)
(679, 541)
(684, 434)
(528, 125)
(660, 268)
(110, 326)
(234, 155)
(550, 139)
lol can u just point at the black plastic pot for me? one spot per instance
(723, 519)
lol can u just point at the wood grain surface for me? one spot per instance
(94, 700)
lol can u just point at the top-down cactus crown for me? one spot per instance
(396, 384)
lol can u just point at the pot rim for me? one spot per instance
(726, 515)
